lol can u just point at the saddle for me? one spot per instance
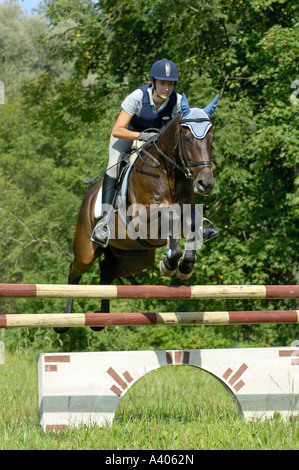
(126, 162)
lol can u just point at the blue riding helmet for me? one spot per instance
(164, 70)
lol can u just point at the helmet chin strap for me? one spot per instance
(154, 82)
(155, 88)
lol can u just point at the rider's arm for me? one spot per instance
(120, 130)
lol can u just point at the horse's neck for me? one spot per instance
(168, 138)
(155, 184)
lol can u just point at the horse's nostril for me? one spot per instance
(203, 185)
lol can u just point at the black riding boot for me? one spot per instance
(101, 232)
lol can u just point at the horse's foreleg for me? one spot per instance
(185, 267)
(193, 240)
(169, 263)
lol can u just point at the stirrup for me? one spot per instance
(101, 233)
(213, 231)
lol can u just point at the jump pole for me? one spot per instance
(148, 291)
(148, 319)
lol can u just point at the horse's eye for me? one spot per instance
(188, 139)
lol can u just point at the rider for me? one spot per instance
(150, 106)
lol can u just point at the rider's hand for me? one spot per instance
(145, 136)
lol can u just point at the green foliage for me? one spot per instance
(65, 77)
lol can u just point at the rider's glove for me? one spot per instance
(145, 136)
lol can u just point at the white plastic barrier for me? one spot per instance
(86, 388)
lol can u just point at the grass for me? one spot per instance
(173, 408)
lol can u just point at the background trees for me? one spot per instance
(65, 76)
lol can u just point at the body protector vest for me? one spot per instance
(149, 118)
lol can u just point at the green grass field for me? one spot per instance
(173, 408)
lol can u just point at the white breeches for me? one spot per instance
(116, 148)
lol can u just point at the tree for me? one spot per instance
(56, 130)
(245, 51)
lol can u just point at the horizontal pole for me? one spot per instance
(140, 319)
(147, 291)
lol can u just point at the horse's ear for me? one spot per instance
(185, 105)
(212, 106)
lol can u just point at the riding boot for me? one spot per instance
(209, 232)
(101, 232)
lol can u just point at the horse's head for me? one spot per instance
(195, 145)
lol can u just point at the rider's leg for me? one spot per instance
(101, 232)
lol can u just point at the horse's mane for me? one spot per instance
(167, 127)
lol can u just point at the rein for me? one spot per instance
(184, 167)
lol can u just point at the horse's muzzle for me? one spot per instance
(204, 185)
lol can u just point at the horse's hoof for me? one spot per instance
(97, 328)
(181, 275)
(61, 329)
(164, 271)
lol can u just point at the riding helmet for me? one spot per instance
(164, 70)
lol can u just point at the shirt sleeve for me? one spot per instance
(133, 103)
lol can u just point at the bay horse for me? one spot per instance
(169, 170)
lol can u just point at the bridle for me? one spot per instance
(184, 165)
(182, 151)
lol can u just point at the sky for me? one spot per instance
(26, 4)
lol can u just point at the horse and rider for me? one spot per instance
(151, 106)
(172, 165)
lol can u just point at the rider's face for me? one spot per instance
(164, 88)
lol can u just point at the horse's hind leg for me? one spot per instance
(72, 280)
(69, 304)
(107, 276)
(75, 274)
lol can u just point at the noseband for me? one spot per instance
(184, 166)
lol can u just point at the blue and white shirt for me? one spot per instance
(141, 107)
